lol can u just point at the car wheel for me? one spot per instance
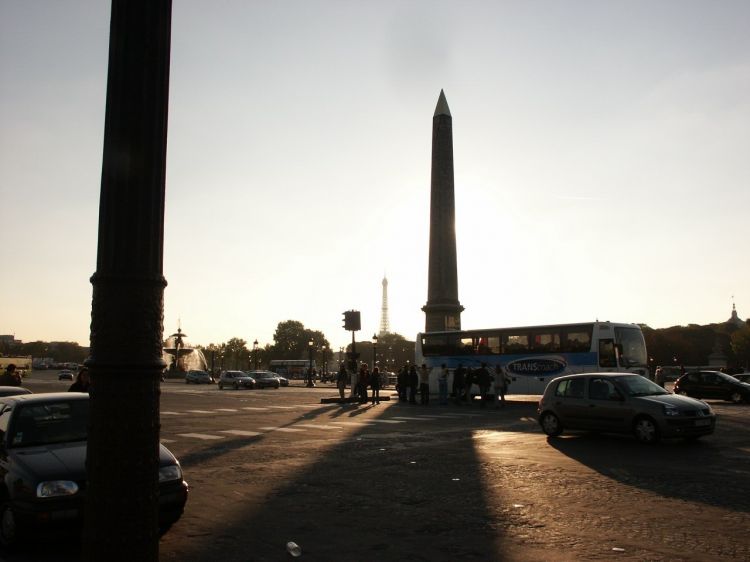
(221, 386)
(277, 386)
(735, 397)
(8, 527)
(236, 386)
(551, 424)
(645, 430)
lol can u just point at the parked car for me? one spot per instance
(742, 377)
(65, 376)
(266, 379)
(198, 377)
(43, 468)
(621, 403)
(712, 384)
(236, 380)
(13, 390)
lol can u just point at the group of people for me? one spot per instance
(410, 379)
(10, 377)
(360, 381)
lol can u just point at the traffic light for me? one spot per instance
(351, 320)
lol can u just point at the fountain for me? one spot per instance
(181, 358)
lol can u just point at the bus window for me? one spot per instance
(515, 343)
(434, 345)
(607, 357)
(493, 344)
(544, 342)
(577, 341)
(465, 346)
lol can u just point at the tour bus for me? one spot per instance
(534, 355)
(290, 368)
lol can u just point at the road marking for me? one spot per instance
(241, 432)
(200, 411)
(282, 407)
(226, 410)
(166, 440)
(319, 426)
(385, 421)
(357, 423)
(254, 408)
(411, 419)
(203, 436)
(284, 429)
(172, 413)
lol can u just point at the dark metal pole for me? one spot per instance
(128, 287)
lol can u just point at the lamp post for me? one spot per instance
(310, 347)
(325, 363)
(255, 354)
(374, 349)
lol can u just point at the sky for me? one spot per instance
(600, 153)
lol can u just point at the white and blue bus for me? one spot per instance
(534, 355)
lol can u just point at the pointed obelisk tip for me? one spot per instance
(442, 106)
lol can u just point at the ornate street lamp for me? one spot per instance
(255, 353)
(310, 347)
(374, 349)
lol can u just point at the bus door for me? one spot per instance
(607, 355)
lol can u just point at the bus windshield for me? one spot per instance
(633, 347)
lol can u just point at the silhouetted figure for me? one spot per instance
(82, 382)
(402, 383)
(10, 377)
(341, 380)
(424, 385)
(459, 381)
(501, 382)
(443, 385)
(375, 385)
(483, 382)
(413, 382)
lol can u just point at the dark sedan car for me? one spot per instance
(235, 380)
(265, 379)
(13, 390)
(743, 377)
(42, 468)
(621, 403)
(712, 384)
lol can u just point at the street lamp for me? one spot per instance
(374, 349)
(325, 363)
(310, 347)
(255, 353)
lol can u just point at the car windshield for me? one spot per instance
(49, 423)
(637, 385)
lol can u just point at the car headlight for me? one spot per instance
(169, 473)
(56, 488)
(671, 411)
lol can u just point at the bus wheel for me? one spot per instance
(645, 430)
(550, 424)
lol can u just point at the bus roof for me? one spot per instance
(535, 327)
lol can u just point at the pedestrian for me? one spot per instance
(483, 382)
(82, 382)
(413, 382)
(341, 379)
(354, 382)
(424, 385)
(501, 383)
(470, 379)
(401, 382)
(363, 382)
(443, 385)
(459, 378)
(375, 385)
(659, 377)
(10, 377)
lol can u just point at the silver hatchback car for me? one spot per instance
(621, 403)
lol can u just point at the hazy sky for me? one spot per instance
(601, 159)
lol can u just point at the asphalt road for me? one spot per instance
(430, 483)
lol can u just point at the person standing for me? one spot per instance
(354, 383)
(659, 377)
(364, 376)
(443, 385)
(82, 382)
(375, 385)
(413, 381)
(424, 385)
(469, 382)
(501, 383)
(483, 382)
(10, 377)
(341, 381)
(458, 383)
(401, 382)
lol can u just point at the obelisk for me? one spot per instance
(442, 311)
